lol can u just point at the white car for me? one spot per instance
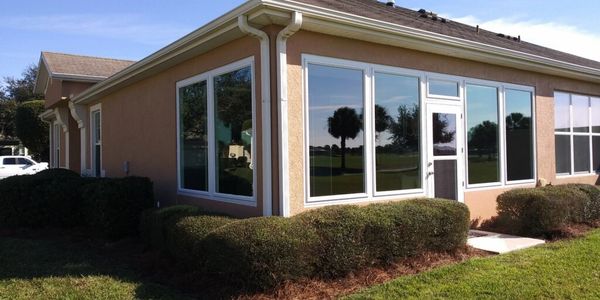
(19, 165)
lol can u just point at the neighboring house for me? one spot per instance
(60, 78)
(280, 106)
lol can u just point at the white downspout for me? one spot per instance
(284, 172)
(265, 80)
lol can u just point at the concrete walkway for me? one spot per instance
(498, 242)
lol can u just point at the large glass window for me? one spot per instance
(233, 132)
(397, 134)
(482, 134)
(575, 140)
(519, 134)
(216, 139)
(193, 140)
(336, 141)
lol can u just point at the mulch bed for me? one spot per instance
(330, 289)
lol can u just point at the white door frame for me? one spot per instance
(451, 107)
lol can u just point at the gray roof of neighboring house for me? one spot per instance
(415, 19)
(84, 66)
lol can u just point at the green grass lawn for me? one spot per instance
(562, 270)
(60, 268)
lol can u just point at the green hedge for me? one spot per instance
(155, 222)
(547, 210)
(112, 206)
(327, 242)
(62, 198)
(49, 198)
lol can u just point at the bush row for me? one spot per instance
(547, 210)
(328, 242)
(62, 198)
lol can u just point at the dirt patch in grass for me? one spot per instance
(330, 289)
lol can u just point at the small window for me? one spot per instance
(10, 161)
(581, 117)
(562, 119)
(444, 88)
(24, 161)
(596, 152)
(595, 104)
(581, 149)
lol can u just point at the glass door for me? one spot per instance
(445, 151)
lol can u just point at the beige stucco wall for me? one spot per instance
(482, 202)
(139, 126)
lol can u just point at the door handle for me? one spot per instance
(430, 173)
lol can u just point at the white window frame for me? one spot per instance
(369, 71)
(572, 134)
(212, 194)
(93, 110)
(501, 90)
(445, 78)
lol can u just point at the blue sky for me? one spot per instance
(134, 29)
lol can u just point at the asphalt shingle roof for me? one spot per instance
(402, 16)
(60, 63)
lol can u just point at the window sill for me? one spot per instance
(240, 200)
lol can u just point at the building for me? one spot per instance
(279, 106)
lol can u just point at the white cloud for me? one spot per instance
(117, 26)
(562, 37)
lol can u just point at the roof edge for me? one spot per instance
(165, 53)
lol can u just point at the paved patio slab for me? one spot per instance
(498, 242)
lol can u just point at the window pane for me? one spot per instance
(581, 147)
(482, 134)
(581, 117)
(193, 143)
(596, 151)
(233, 132)
(444, 134)
(443, 88)
(335, 99)
(562, 119)
(563, 154)
(397, 116)
(595, 115)
(519, 135)
(10, 161)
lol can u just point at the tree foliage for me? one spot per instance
(32, 131)
(344, 124)
(7, 119)
(21, 89)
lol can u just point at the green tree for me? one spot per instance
(7, 119)
(344, 124)
(21, 89)
(32, 131)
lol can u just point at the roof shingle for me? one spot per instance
(60, 63)
(406, 17)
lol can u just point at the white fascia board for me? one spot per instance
(321, 20)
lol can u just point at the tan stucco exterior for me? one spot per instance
(481, 202)
(139, 126)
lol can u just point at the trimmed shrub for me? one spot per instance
(540, 211)
(49, 198)
(259, 253)
(329, 242)
(406, 228)
(57, 173)
(154, 223)
(113, 206)
(341, 232)
(591, 212)
(185, 239)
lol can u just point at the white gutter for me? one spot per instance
(284, 170)
(265, 81)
